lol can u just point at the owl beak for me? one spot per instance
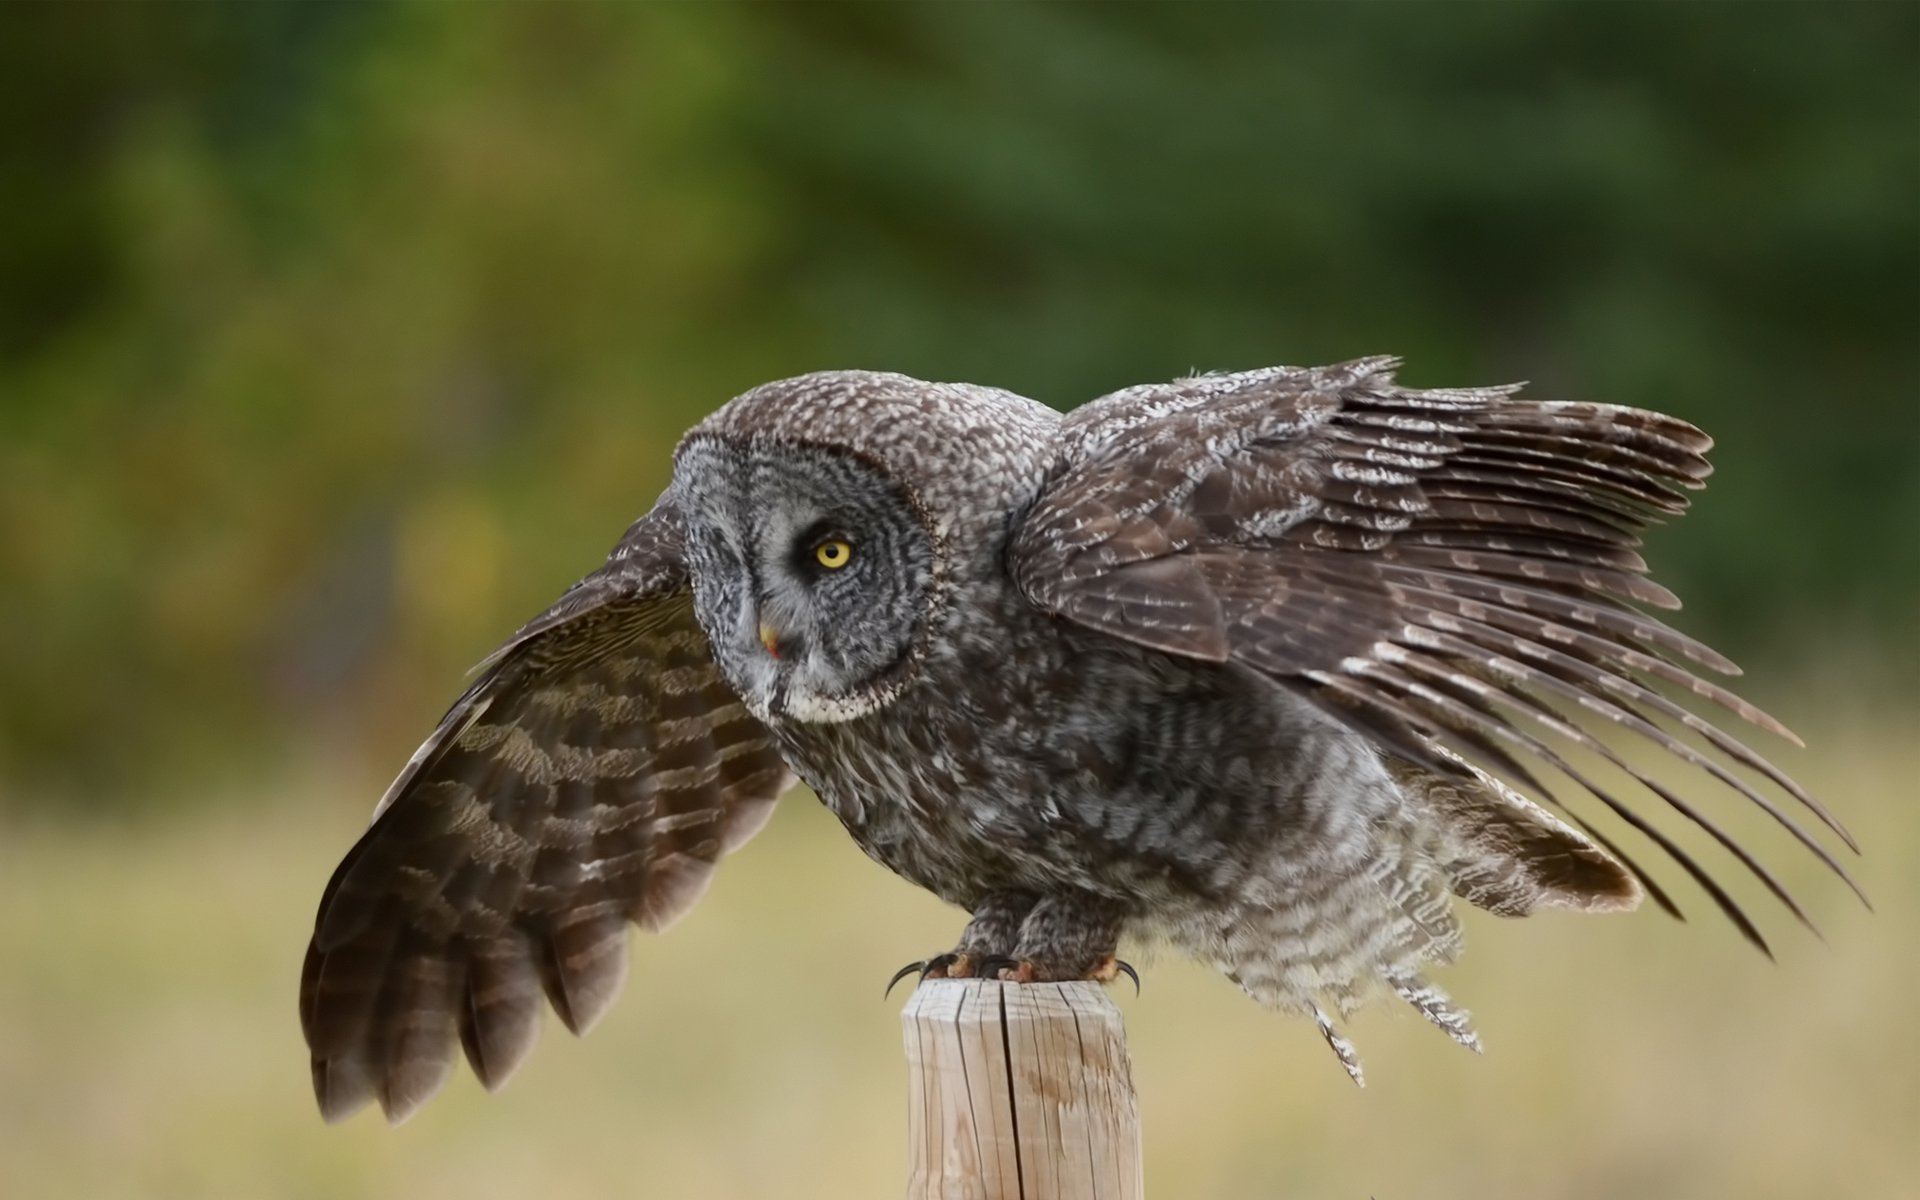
(770, 639)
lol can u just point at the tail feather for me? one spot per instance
(1505, 854)
(1438, 1007)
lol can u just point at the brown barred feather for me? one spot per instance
(1555, 617)
(1520, 677)
(1506, 854)
(1466, 689)
(1344, 696)
(1574, 678)
(1465, 510)
(589, 779)
(1630, 486)
(1453, 713)
(1572, 578)
(1544, 489)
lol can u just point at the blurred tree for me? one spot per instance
(336, 338)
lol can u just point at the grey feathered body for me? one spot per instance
(1209, 806)
(1031, 761)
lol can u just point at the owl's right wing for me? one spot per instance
(1439, 570)
(592, 776)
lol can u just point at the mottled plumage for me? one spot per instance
(1231, 662)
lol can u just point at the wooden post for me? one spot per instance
(1019, 1092)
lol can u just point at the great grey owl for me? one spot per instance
(1230, 662)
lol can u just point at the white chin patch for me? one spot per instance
(804, 704)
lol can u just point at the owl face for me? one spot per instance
(812, 571)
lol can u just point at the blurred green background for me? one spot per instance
(335, 339)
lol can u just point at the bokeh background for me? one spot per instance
(335, 339)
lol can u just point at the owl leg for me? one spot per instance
(989, 937)
(995, 928)
(1067, 936)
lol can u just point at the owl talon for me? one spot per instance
(1007, 970)
(951, 965)
(1114, 968)
(903, 972)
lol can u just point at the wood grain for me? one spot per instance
(1019, 1092)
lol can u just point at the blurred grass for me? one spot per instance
(149, 1047)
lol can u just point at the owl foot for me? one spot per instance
(952, 965)
(1025, 970)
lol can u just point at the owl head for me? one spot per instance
(813, 573)
(829, 520)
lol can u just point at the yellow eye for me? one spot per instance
(833, 554)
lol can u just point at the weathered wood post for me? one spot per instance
(1019, 1092)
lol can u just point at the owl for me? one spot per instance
(1259, 665)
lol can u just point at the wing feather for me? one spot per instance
(1447, 571)
(590, 778)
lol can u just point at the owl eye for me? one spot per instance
(833, 553)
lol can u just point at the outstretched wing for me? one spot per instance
(591, 776)
(1445, 568)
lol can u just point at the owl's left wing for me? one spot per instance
(591, 777)
(1429, 567)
